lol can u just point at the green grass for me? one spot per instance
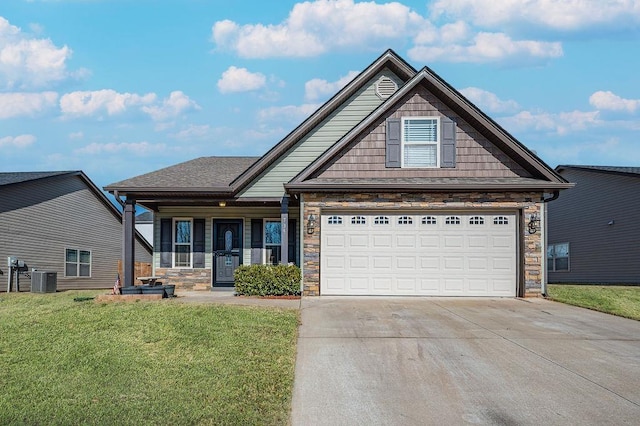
(147, 363)
(623, 301)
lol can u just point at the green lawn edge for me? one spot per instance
(623, 301)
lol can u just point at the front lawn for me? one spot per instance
(77, 362)
(623, 301)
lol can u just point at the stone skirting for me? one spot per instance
(526, 203)
(186, 279)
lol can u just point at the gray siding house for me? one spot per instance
(61, 222)
(594, 231)
(397, 185)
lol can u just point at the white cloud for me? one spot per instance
(288, 112)
(89, 103)
(561, 123)
(21, 141)
(314, 27)
(27, 62)
(488, 47)
(76, 135)
(489, 101)
(612, 102)
(318, 88)
(240, 80)
(136, 148)
(19, 104)
(193, 132)
(176, 104)
(561, 15)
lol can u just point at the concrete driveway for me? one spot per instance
(421, 361)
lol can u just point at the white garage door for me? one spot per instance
(435, 254)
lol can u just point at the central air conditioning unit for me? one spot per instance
(44, 282)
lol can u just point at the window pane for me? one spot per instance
(70, 269)
(183, 256)
(85, 270)
(273, 255)
(72, 255)
(421, 130)
(420, 155)
(183, 231)
(562, 250)
(562, 264)
(272, 232)
(85, 256)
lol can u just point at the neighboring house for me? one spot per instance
(397, 185)
(61, 222)
(144, 225)
(594, 228)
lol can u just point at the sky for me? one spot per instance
(120, 88)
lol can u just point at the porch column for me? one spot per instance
(284, 230)
(128, 242)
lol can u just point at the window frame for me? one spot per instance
(552, 260)
(265, 246)
(77, 263)
(174, 244)
(436, 143)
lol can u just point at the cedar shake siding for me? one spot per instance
(475, 155)
(599, 220)
(41, 218)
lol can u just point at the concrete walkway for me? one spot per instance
(430, 361)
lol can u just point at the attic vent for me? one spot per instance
(385, 87)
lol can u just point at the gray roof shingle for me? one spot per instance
(201, 173)
(607, 169)
(8, 178)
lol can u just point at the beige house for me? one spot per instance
(397, 185)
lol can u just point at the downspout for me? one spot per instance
(543, 242)
(301, 248)
(118, 200)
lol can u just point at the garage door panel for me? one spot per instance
(419, 254)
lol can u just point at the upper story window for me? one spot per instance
(334, 220)
(182, 243)
(420, 136)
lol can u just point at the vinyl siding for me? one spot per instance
(316, 142)
(475, 155)
(209, 214)
(599, 252)
(39, 220)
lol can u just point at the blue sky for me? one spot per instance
(119, 88)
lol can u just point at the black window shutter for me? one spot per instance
(198, 243)
(448, 143)
(166, 244)
(292, 241)
(256, 233)
(393, 147)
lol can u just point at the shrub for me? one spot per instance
(267, 280)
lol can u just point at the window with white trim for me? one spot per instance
(476, 220)
(77, 263)
(429, 220)
(405, 220)
(358, 220)
(500, 220)
(334, 220)
(558, 257)
(420, 147)
(182, 242)
(452, 220)
(272, 241)
(381, 220)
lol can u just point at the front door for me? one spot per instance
(227, 250)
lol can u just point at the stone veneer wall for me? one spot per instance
(186, 279)
(528, 203)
